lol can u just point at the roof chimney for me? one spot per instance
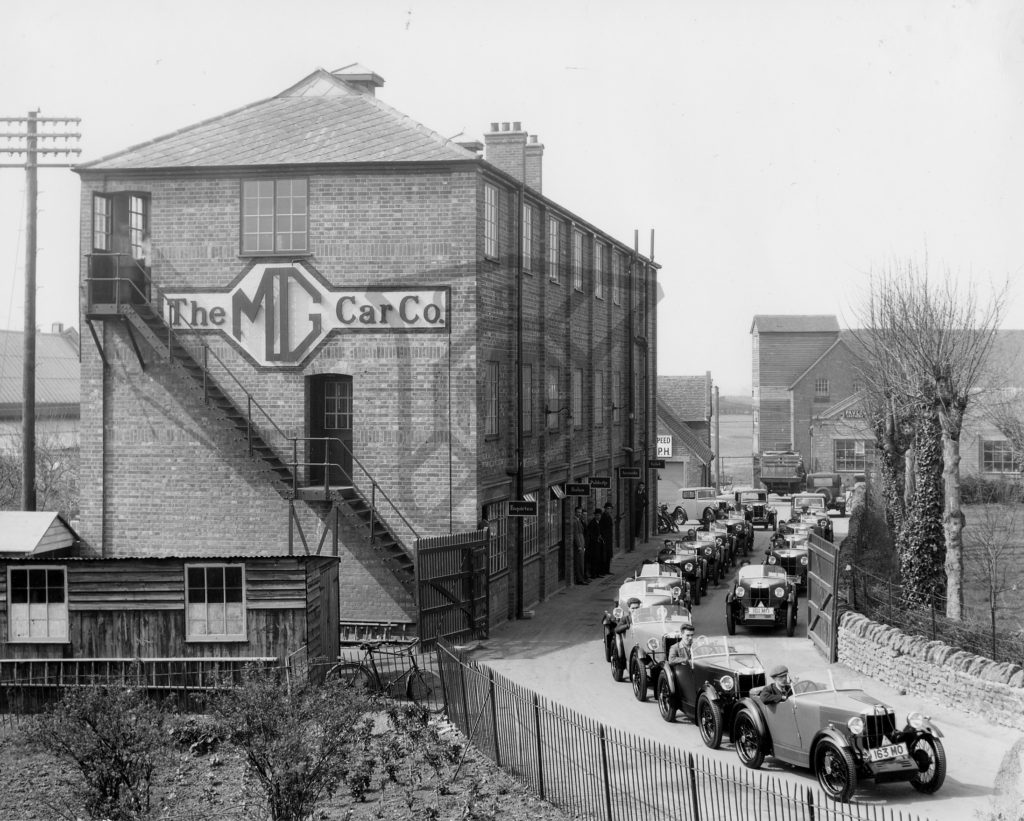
(533, 164)
(57, 328)
(360, 78)
(505, 148)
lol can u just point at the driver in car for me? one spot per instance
(622, 625)
(679, 653)
(779, 688)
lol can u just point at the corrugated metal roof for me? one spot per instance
(320, 120)
(24, 531)
(689, 397)
(794, 323)
(57, 368)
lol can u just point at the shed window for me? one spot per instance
(215, 602)
(275, 216)
(37, 608)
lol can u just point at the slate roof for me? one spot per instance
(57, 369)
(323, 119)
(794, 323)
(679, 428)
(689, 397)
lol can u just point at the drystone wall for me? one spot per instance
(916, 665)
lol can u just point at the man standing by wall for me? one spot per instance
(594, 567)
(608, 538)
(579, 546)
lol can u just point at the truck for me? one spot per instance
(782, 471)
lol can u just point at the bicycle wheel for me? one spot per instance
(353, 674)
(424, 688)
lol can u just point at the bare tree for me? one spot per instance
(936, 336)
(57, 467)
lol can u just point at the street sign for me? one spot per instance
(600, 481)
(665, 446)
(656, 464)
(577, 489)
(522, 508)
(629, 473)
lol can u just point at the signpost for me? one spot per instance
(656, 464)
(629, 473)
(577, 489)
(600, 482)
(522, 508)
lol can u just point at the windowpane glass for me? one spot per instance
(274, 215)
(19, 586)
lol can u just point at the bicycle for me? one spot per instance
(422, 687)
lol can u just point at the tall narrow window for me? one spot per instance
(496, 515)
(599, 250)
(275, 216)
(527, 394)
(553, 249)
(102, 224)
(616, 278)
(215, 596)
(577, 398)
(531, 529)
(577, 260)
(616, 398)
(490, 221)
(598, 398)
(820, 389)
(37, 609)
(551, 398)
(138, 226)
(527, 237)
(491, 400)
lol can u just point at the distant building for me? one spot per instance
(684, 429)
(57, 388)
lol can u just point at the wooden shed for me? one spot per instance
(54, 607)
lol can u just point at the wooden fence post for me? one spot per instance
(494, 717)
(692, 770)
(540, 762)
(604, 771)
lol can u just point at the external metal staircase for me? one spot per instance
(120, 288)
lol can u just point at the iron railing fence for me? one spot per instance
(882, 599)
(593, 771)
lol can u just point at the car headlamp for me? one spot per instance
(749, 508)
(823, 522)
(917, 720)
(803, 560)
(727, 683)
(740, 592)
(688, 567)
(618, 612)
(772, 560)
(856, 725)
(652, 644)
(719, 541)
(707, 551)
(677, 592)
(780, 591)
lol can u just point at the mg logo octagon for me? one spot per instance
(279, 313)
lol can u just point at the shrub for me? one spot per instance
(113, 734)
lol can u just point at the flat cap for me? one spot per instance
(778, 670)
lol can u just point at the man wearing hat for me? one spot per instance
(779, 688)
(607, 538)
(679, 653)
(595, 565)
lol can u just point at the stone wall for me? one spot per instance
(919, 666)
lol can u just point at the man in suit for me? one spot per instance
(607, 538)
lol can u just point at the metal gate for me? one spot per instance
(452, 585)
(822, 599)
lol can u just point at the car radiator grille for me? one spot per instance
(878, 727)
(791, 564)
(760, 597)
(746, 682)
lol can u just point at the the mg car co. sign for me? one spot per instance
(278, 313)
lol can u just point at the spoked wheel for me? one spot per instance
(837, 774)
(638, 678)
(353, 674)
(709, 721)
(666, 701)
(425, 688)
(618, 667)
(730, 621)
(930, 757)
(749, 744)
(696, 592)
(791, 620)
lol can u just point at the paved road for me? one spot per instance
(559, 654)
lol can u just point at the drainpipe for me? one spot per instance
(519, 398)
(718, 445)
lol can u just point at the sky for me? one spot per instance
(781, 152)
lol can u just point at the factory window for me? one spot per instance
(598, 398)
(275, 216)
(599, 251)
(577, 260)
(577, 398)
(490, 221)
(854, 455)
(551, 398)
(527, 399)
(491, 400)
(496, 516)
(820, 390)
(553, 249)
(527, 237)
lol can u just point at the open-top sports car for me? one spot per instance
(756, 508)
(712, 546)
(652, 631)
(843, 734)
(707, 690)
(740, 531)
(690, 559)
(658, 588)
(790, 553)
(763, 596)
(811, 508)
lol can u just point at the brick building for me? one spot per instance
(313, 306)
(684, 430)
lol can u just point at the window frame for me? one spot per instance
(551, 400)
(528, 398)
(616, 278)
(1007, 462)
(496, 516)
(12, 619)
(275, 250)
(531, 529)
(849, 460)
(554, 249)
(577, 398)
(577, 259)
(821, 389)
(491, 249)
(616, 397)
(191, 637)
(492, 378)
(527, 238)
(598, 399)
(599, 249)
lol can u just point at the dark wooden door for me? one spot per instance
(330, 398)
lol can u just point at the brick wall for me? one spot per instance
(934, 670)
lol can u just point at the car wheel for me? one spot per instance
(748, 740)
(638, 678)
(618, 667)
(930, 757)
(709, 721)
(730, 622)
(708, 515)
(837, 774)
(696, 593)
(666, 701)
(791, 619)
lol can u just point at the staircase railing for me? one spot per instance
(137, 288)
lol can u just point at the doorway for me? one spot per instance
(330, 422)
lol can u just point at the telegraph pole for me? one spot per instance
(24, 141)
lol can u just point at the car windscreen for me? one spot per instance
(671, 613)
(752, 497)
(705, 646)
(753, 572)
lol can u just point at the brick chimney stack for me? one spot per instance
(534, 163)
(506, 149)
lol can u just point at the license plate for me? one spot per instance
(794, 579)
(760, 612)
(885, 753)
